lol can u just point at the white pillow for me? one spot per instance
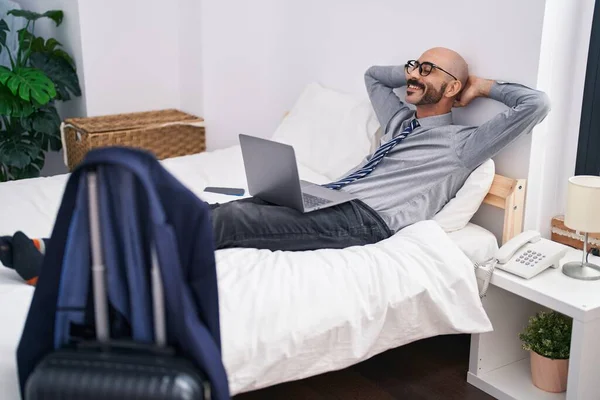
(457, 213)
(330, 131)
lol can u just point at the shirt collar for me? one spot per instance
(436, 120)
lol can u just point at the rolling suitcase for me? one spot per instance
(110, 369)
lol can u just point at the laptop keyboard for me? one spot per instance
(313, 201)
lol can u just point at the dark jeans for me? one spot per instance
(252, 222)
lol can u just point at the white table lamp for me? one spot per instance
(583, 215)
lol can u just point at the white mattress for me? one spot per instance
(289, 315)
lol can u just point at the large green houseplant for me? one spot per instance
(40, 74)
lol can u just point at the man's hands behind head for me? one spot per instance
(475, 87)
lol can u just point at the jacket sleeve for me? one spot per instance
(527, 108)
(381, 82)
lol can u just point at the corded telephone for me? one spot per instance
(525, 255)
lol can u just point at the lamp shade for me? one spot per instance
(583, 203)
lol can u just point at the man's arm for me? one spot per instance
(527, 108)
(380, 82)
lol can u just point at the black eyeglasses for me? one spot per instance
(425, 67)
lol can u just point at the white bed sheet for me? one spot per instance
(286, 316)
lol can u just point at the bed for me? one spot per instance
(291, 315)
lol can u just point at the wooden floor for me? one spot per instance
(429, 369)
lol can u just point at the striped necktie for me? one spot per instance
(375, 158)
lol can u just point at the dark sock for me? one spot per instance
(6, 257)
(27, 257)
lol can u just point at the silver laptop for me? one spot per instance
(272, 175)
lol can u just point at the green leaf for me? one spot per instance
(11, 105)
(25, 37)
(3, 30)
(65, 56)
(60, 71)
(29, 15)
(30, 171)
(3, 173)
(50, 46)
(18, 151)
(30, 84)
(54, 15)
(5, 73)
(44, 125)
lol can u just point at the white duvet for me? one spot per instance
(284, 315)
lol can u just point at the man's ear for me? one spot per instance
(453, 89)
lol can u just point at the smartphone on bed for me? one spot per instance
(225, 190)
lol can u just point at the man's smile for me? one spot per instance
(413, 86)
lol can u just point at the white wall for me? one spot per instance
(190, 56)
(130, 55)
(68, 35)
(563, 63)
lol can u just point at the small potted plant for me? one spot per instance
(547, 337)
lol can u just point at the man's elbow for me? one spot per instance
(542, 104)
(369, 74)
(369, 78)
(369, 71)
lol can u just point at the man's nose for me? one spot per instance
(415, 73)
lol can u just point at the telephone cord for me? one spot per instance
(488, 274)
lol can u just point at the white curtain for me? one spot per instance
(14, 24)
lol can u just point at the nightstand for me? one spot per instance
(500, 367)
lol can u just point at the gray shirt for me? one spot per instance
(426, 169)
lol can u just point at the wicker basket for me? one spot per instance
(166, 133)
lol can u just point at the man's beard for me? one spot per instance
(432, 96)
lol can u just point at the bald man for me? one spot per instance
(422, 172)
(422, 162)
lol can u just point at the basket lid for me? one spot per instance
(121, 122)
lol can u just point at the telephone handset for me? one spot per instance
(525, 255)
(511, 247)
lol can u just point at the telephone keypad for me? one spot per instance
(530, 258)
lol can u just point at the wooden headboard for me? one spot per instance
(509, 195)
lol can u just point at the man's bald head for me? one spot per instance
(449, 60)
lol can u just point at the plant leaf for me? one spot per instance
(50, 47)
(54, 15)
(3, 173)
(18, 151)
(25, 37)
(11, 105)
(51, 44)
(30, 171)
(64, 55)
(5, 73)
(44, 125)
(31, 84)
(28, 15)
(3, 30)
(60, 71)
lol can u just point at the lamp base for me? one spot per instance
(584, 271)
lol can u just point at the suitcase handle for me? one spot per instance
(98, 267)
(99, 275)
(124, 346)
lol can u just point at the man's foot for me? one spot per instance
(27, 256)
(6, 257)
